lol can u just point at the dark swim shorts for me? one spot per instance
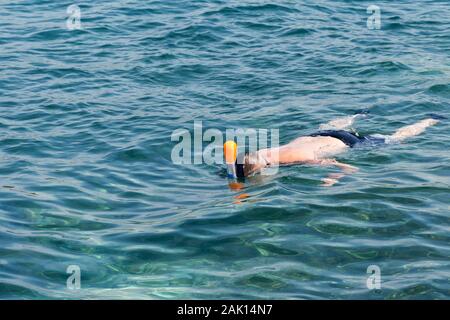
(349, 138)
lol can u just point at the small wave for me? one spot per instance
(440, 89)
(132, 154)
(49, 35)
(296, 32)
(382, 67)
(245, 9)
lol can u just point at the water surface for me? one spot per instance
(86, 176)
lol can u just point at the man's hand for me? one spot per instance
(328, 182)
(333, 178)
(343, 166)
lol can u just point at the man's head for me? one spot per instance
(253, 163)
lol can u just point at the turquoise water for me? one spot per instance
(86, 176)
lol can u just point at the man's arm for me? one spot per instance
(333, 178)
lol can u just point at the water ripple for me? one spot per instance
(86, 174)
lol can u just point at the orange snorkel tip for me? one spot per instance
(230, 154)
(230, 151)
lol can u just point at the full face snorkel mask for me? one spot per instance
(235, 168)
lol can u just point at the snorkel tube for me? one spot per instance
(230, 154)
(235, 171)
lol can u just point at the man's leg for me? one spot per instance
(340, 123)
(412, 130)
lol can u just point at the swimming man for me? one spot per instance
(320, 148)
